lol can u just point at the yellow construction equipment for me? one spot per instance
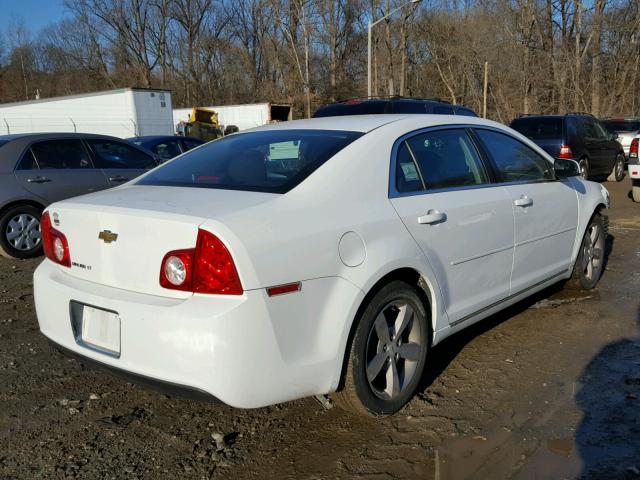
(203, 124)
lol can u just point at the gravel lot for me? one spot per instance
(548, 389)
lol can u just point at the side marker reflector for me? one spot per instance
(283, 289)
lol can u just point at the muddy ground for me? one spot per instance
(548, 389)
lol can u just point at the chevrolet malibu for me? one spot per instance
(314, 257)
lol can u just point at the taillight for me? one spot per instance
(633, 148)
(208, 268)
(54, 243)
(565, 151)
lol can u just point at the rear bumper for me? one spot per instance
(634, 171)
(247, 351)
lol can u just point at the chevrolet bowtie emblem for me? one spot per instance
(107, 236)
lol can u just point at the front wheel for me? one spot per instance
(20, 232)
(388, 352)
(635, 190)
(590, 262)
(584, 168)
(617, 174)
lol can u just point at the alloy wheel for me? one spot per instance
(393, 350)
(23, 232)
(593, 252)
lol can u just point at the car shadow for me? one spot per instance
(444, 353)
(608, 437)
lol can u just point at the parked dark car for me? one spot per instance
(578, 136)
(167, 146)
(39, 169)
(378, 105)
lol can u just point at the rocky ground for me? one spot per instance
(548, 389)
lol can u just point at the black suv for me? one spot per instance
(377, 105)
(579, 136)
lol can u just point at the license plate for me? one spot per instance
(101, 329)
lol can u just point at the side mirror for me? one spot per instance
(565, 168)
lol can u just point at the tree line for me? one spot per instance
(543, 56)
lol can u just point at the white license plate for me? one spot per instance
(101, 329)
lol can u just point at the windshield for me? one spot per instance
(539, 128)
(615, 126)
(269, 161)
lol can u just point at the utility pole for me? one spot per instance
(486, 85)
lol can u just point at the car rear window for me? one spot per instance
(355, 107)
(539, 128)
(615, 126)
(268, 161)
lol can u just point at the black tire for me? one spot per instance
(584, 167)
(591, 257)
(7, 247)
(617, 174)
(635, 191)
(366, 396)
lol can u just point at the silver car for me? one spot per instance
(39, 169)
(626, 129)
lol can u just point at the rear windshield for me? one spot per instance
(615, 126)
(539, 128)
(269, 161)
(353, 108)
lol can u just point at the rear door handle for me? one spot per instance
(38, 180)
(523, 201)
(432, 216)
(118, 178)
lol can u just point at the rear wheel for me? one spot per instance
(20, 232)
(617, 174)
(590, 262)
(635, 191)
(388, 352)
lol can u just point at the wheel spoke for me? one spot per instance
(594, 234)
(585, 259)
(589, 272)
(382, 328)
(404, 318)
(375, 366)
(13, 225)
(12, 235)
(597, 253)
(409, 351)
(393, 380)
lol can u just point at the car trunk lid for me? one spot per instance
(119, 238)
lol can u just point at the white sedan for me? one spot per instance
(314, 256)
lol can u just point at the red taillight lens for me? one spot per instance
(565, 152)
(209, 268)
(54, 243)
(633, 148)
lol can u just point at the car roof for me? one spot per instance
(368, 123)
(150, 138)
(53, 136)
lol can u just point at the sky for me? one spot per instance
(35, 13)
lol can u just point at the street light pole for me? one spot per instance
(369, 28)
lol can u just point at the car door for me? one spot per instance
(119, 161)
(463, 222)
(59, 169)
(610, 146)
(545, 209)
(596, 144)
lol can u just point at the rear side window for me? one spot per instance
(439, 159)
(516, 162)
(269, 161)
(539, 128)
(28, 161)
(61, 154)
(117, 155)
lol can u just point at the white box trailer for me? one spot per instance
(127, 112)
(243, 116)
